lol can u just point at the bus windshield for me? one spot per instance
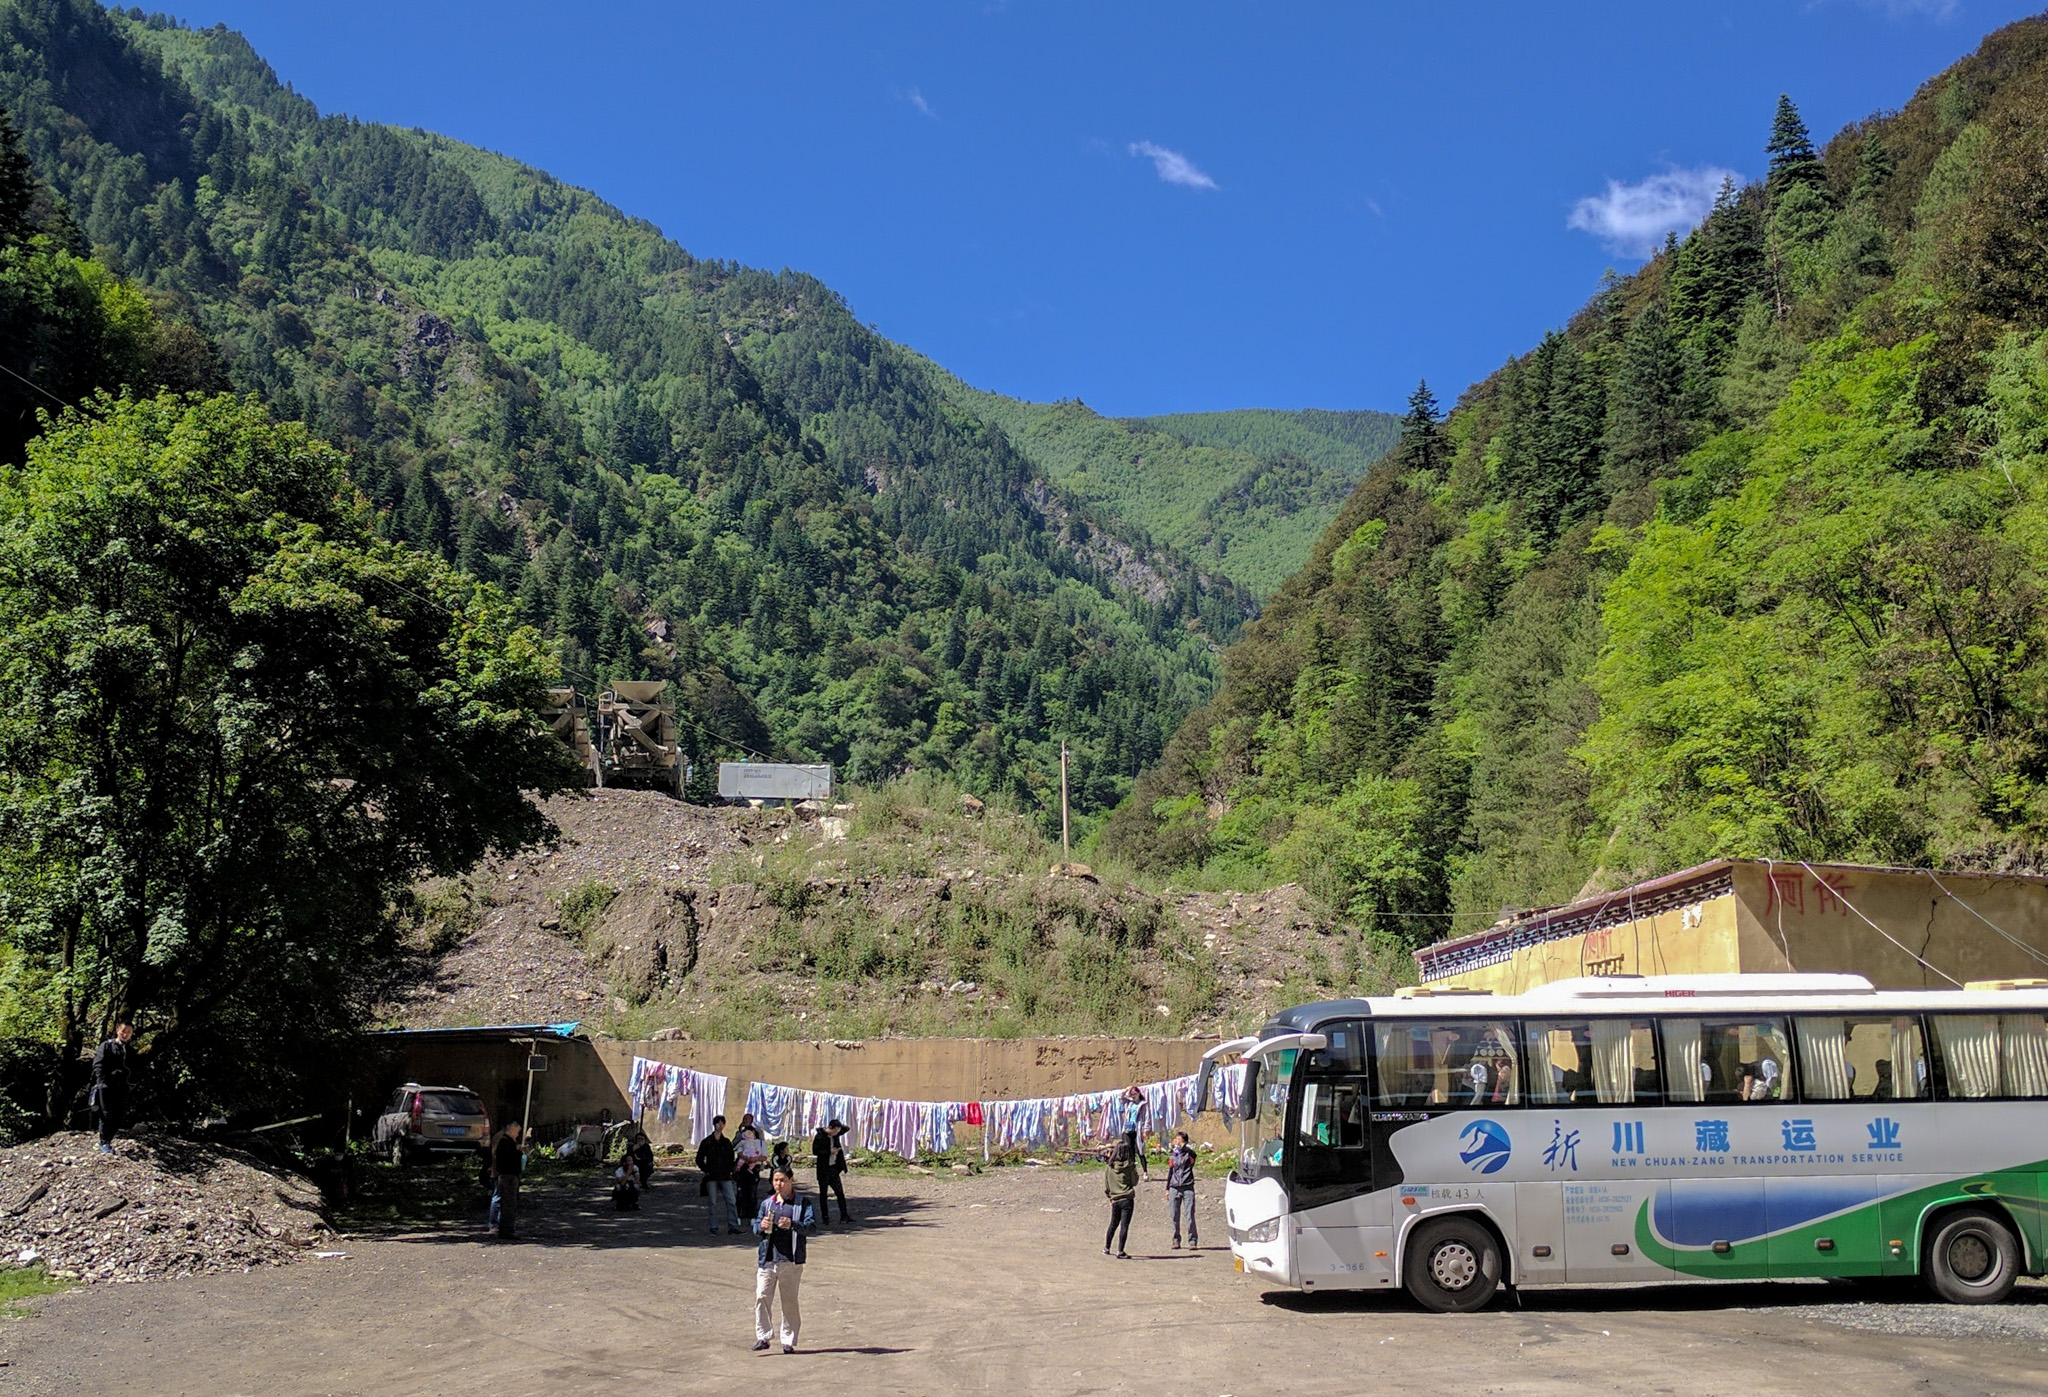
(1260, 1131)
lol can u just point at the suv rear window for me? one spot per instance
(450, 1103)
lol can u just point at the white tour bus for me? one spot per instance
(1645, 1129)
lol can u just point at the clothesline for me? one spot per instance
(662, 1087)
(907, 1128)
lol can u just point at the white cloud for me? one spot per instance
(916, 99)
(1174, 167)
(1936, 10)
(1632, 219)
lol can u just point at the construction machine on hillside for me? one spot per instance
(636, 737)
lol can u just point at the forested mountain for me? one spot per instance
(679, 468)
(1747, 559)
(1245, 493)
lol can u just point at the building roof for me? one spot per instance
(505, 1031)
(1624, 905)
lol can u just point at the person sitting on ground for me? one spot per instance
(625, 1191)
(641, 1152)
(1120, 1183)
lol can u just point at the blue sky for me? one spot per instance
(1152, 207)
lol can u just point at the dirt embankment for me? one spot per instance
(649, 912)
(155, 1207)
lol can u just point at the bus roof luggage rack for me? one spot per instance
(1698, 986)
(2023, 984)
(1435, 991)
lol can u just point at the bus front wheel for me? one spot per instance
(1973, 1258)
(1453, 1265)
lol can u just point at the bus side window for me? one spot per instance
(1586, 1062)
(1424, 1063)
(1993, 1055)
(1727, 1061)
(1862, 1059)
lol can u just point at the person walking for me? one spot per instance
(1180, 1187)
(1120, 1183)
(715, 1157)
(828, 1151)
(508, 1159)
(784, 1224)
(109, 1097)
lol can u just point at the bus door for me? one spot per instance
(1343, 1240)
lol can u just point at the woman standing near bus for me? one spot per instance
(1120, 1183)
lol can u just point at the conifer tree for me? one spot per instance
(17, 185)
(1874, 165)
(1646, 419)
(1793, 159)
(1422, 444)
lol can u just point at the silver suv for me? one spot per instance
(421, 1119)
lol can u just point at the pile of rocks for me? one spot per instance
(156, 1207)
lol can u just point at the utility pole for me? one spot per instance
(1066, 845)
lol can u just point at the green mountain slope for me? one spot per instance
(681, 468)
(1347, 443)
(1245, 493)
(1749, 559)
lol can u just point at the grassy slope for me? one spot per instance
(1246, 493)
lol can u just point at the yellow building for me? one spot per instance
(1902, 928)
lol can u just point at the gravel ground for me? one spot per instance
(2023, 1319)
(156, 1207)
(991, 1283)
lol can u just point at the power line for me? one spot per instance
(1986, 920)
(1836, 892)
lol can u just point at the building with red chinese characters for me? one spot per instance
(1901, 927)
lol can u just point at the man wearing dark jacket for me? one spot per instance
(828, 1149)
(110, 1064)
(508, 1159)
(715, 1157)
(1180, 1187)
(785, 1221)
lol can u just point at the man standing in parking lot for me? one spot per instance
(508, 1158)
(785, 1221)
(716, 1158)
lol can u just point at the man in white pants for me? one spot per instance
(784, 1223)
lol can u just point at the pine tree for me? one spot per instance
(1422, 446)
(1874, 166)
(1793, 159)
(17, 185)
(1646, 417)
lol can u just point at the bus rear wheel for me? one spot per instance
(1973, 1258)
(1453, 1266)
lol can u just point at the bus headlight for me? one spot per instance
(1266, 1231)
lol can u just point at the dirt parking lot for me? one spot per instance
(995, 1283)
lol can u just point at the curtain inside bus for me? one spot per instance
(1824, 1053)
(2025, 1042)
(1683, 1065)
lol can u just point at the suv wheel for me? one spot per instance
(401, 1150)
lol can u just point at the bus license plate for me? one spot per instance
(1240, 1264)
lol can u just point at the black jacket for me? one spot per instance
(1180, 1167)
(110, 1066)
(715, 1157)
(827, 1152)
(506, 1158)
